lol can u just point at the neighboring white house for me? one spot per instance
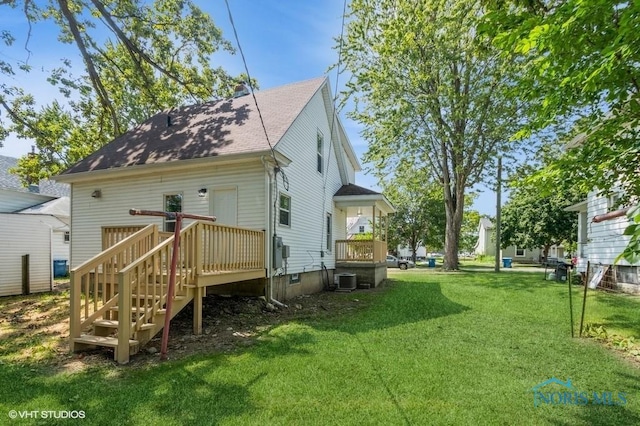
(214, 159)
(600, 243)
(34, 224)
(486, 246)
(358, 225)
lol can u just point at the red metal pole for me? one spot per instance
(610, 215)
(172, 286)
(174, 262)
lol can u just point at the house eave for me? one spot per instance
(173, 166)
(368, 200)
(578, 207)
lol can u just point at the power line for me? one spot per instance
(255, 101)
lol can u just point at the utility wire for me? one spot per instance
(333, 121)
(285, 181)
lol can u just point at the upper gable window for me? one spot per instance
(320, 151)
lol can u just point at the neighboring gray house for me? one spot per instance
(34, 222)
(487, 246)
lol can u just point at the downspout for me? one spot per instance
(269, 215)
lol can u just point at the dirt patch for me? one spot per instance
(35, 329)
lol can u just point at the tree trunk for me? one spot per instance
(545, 253)
(454, 208)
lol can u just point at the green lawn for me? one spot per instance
(462, 348)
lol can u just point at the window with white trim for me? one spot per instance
(172, 204)
(285, 210)
(320, 151)
(67, 236)
(361, 229)
(520, 252)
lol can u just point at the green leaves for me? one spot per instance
(157, 56)
(631, 253)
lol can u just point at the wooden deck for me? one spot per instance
(118, 297)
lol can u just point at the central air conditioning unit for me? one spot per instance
(347, 282)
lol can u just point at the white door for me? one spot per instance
(224, 205)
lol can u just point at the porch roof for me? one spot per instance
(357, 200)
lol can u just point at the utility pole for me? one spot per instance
(498, 209)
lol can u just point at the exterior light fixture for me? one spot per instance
(202, 192)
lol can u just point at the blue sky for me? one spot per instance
(283, 41)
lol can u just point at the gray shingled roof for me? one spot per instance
(8, 180)
(11, 181)
(352, 189)
(225, 127)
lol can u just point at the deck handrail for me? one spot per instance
(204, 248)
(93, 282)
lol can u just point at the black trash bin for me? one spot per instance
(561, 272)
(59, 268)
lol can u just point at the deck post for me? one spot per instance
(124, 318)
(74, 308)
(197, 310)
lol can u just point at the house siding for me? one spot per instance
(306, 235)
(12, 201)
(90, 214)
(605, 240)
(16, 242)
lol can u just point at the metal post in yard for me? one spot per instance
(178, 216)
(584, 298)
(498, 213)
(570, 302)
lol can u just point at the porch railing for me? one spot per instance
(361, 251)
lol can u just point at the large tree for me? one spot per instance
(430, 91)
(420, 217)
(532, 220)
(138, 58)
(583, 71)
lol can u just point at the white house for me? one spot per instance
(599, 243)
(295, 189)
(486, 246)
(34, 224)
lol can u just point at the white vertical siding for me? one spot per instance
(24, 234)
(605, 239)
(146, 192)
(311, 192)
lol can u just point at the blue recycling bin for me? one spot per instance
(432, 262)
(506, 262)
(59, 268)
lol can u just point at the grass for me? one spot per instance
(459, 348)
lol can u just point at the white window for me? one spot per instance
(320, 151)
(520, 252)
(329, 232)
(285, 210)
(361, 229)
(67, 236)
(173, 204)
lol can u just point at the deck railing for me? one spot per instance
(230, 248)
(111, 235)
(94, 283)
(361, 251)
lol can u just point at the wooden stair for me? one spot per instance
(117, 298)
(104, 332)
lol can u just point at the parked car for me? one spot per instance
(394, 262)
